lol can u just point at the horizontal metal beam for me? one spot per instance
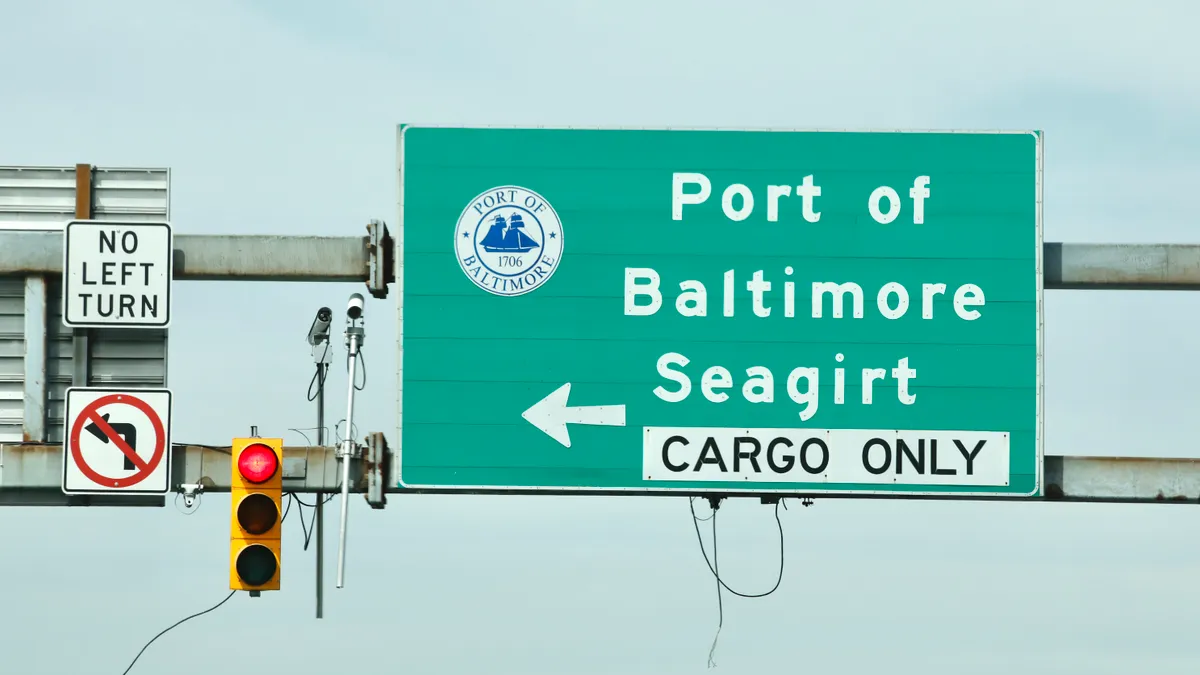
(31, 474)
(300, 258)
(1129, 480)
(1145, 267)
(271, 258)
(1122, 479)
(215, 256)
(305, 469)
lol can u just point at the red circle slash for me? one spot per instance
(90, 413)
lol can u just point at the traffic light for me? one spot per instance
(256, 488)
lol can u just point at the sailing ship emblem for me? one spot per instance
(508, 240)
(508, 236)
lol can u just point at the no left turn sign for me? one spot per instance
(117, 441)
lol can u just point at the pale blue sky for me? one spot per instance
(279, 117)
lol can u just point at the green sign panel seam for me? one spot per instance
(734, 311)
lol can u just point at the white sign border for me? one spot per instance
(168, 454)
(965, 493)
(66, 272)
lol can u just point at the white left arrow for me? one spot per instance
(552, 415)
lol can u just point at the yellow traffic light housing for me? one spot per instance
(256, 514)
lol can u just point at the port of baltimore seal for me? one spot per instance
(509, 240)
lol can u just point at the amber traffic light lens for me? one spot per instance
(257, 513)
(257, 463)
(256, 564)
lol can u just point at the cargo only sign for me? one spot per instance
(726, 311)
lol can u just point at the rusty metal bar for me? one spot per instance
(1145, 267)
(85, 209)
(31, 474)
(1122, 479)
(213, 257)
(272, 258)
(1066, 479)
(303, 258)
(305, 468)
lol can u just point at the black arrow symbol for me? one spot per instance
(123, 429)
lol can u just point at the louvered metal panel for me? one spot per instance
(12, 358)
(40, 199)
(131, 194)
(116, 358)
(43, 198)
(36, 198)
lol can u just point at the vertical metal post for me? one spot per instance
(352, 336)
(320, 507)
(84, 210)
(81, 370)
(318, 340)
(36, 326)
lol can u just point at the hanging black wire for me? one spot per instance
(286, 510)
(165, 630)
(318, 379)
(714, 566)
(362, 367)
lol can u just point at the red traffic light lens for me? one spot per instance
(258, 463)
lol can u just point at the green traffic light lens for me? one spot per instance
(256, 564)
(257, 513)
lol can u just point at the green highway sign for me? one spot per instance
(726, 311)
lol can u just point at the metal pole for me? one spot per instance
(318, 337)
(320, 507)
(347, 446)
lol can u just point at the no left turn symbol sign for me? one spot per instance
(117, 441)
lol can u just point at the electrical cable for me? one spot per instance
(295, 496)
(307, 438)
(714, 566)
(189, 618)
(309, 528)
(696, 524)
(206, 446)
(319, 376)
(362, 366)
(164, 632)
(337, 434)
(712, 649)
(328, 499)
(304, 529)
(318, 380)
